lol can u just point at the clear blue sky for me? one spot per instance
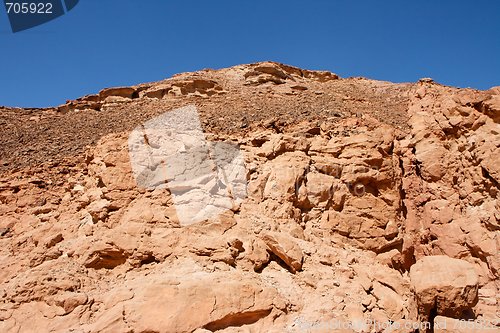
(102, 43)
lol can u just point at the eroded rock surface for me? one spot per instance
(367, 204)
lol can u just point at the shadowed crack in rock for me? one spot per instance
(237, 320)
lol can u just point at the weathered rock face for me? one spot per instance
(367, 204)
(167, 302)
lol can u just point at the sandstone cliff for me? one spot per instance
(367, 204)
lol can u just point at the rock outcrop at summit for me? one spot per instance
(369, 207)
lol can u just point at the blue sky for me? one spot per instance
(102, 43)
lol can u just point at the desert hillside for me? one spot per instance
(257, 198)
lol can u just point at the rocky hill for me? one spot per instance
(257, 198)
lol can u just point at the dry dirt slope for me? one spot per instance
(368, 203)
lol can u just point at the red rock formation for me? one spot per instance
(360, 193)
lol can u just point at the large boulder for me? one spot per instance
(444, 286)
(285, 248)
(167, 303)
